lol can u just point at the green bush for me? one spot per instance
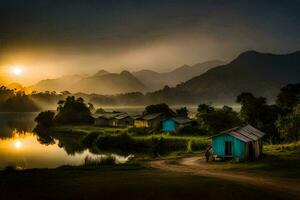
(91, 139)
(197, 145)
(140, 131)
(127, 144)
(192, 130)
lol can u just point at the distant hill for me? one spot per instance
(102, 82)
(57, 84)
(260, 73)
(154, 80)
(109, 83)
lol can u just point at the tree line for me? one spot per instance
(281, 121)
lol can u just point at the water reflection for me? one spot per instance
(19, 146)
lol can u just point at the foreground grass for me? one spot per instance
(121, 182)
(281, 160)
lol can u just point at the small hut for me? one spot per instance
(123, 120)
(175, 124)
(240, 143)
(106, 119)
(149, 121)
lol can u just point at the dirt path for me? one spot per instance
(197, 166)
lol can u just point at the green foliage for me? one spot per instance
(159, 108)
(16, 101)
(73, 111)
(140, 131)
(91, 139)
(199, 145)
(288, 97)
(289, 126)
(45, 118)
(192, 130)
(256, 112)
(215, 121)
(100, 110)
(182, 112)
(204, 109)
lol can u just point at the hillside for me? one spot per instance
(154, 80)
(260, 73)
(57, 84)
(102, 82)
(109, 83)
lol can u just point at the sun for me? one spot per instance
(17, 70)
(18, 144)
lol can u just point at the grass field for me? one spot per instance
(281, 160)
(121, 183)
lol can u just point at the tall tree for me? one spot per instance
(72, 111)
(159, 108)
(288, 97)
(182, 112)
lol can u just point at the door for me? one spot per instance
(251, 151)
(228, 148)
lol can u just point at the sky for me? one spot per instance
(50, 38)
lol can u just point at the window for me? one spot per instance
(228, 148)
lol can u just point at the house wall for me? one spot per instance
(155, 123)
(238, 147)
(169, 126)
(141, 123)
(124, 122)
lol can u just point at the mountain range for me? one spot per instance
(263, 74)
(156, 81)
(104, 82)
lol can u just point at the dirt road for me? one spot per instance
(197, 166)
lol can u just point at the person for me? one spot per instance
(208, 153)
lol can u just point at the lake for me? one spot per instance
(20, 147)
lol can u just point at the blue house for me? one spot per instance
(240, 143)
(174, 124)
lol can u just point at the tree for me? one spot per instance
(182, 112)
(288, 97)
(45, 119)
(204, 108)
(215, 121)
(256, 112)
(100, 110)
(289, 125)
(159, 108)
(73, 111)
(19, 102)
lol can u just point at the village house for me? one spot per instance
(240, 143)
(175, 124)
(106, 119)
(123, 120)
(149, 121)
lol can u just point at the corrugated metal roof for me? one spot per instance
(151, 116)
(246, 133)
(108, 115)
(125, 115)
(181, 120)
(240, 137)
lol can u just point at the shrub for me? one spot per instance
(197, 145)
(140, 131)
(91, 139)
(192, 130)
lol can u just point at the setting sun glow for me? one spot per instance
(18, 144)
(17, 70)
